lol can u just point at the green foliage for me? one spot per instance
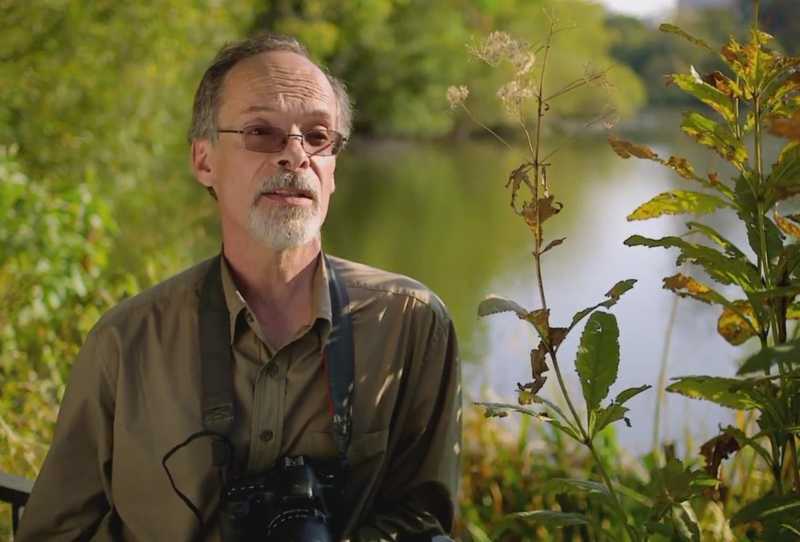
(762, 90)
(54, 284)
(598, 358)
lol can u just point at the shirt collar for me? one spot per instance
(320, 298)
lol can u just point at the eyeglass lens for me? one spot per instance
(270, 139)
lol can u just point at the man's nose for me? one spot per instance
(293, 157)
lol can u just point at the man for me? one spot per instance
(266, 127)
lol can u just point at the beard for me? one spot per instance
(281, 227)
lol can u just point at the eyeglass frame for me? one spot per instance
(302, 135)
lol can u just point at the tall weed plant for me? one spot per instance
(674, 500)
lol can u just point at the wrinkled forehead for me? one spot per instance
(278, 80)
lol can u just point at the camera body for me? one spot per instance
(288, 503)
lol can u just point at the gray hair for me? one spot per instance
(209, 93)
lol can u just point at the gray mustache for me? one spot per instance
(290, 181)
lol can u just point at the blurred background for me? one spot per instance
(97, 201)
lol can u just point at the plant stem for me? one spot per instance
(482, 125)
(662, 381)
(632, 533)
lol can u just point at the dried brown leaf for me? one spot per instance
(536, 213)
(681, 166)
(718, 449)
(626, 149)
(788, 128)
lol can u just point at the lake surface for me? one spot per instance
(439, 212)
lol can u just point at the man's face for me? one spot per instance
(280, 199)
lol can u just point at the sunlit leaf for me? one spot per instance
(738, 322)
(495, 304)
(717, 449)
(715, 136)
(597, 360)
(678, 202)
(766, 358)
(686, 286)
(787, 226)
(728, 392)
(552, 519)
(673, 29)
(694, 85)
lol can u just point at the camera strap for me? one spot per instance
(217, 363)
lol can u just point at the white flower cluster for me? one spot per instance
(457, 95)
(499, 46)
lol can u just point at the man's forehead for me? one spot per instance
(277, 75)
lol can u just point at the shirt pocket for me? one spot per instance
(367, 446)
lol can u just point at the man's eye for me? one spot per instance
(261, 131)
(317, 137)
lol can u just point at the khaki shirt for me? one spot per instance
(135, 392)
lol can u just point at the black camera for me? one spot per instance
(286, 504)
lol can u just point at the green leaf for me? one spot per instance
(629, 393)
(694, 85)
(784, 179)
(728, 392)
(729, 248)
(552, 519)
(566, 429)
(722, 268)
(603, 417)
(769, 509)
(672, 29)
(771, 356)
(613, 295)
(495, 304)
(500, 410)
(715, 136)
(685, 522)
(678, 202)
(598, 357)
(573, 485)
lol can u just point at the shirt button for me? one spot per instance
(272, 370)
(266, 436)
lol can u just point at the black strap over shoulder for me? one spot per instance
(339, 358)
(217, 362)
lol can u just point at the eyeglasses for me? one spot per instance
(270, 139)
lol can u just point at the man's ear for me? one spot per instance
(202, 163)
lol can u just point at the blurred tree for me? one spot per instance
(779, 18)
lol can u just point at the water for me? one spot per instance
(439, 212)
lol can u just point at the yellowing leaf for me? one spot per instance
(626, 149)
(541, 321)
(786, 226)
(738, 322)
(681, 166)
(678, 202)
(715, 136)
(688, 287)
